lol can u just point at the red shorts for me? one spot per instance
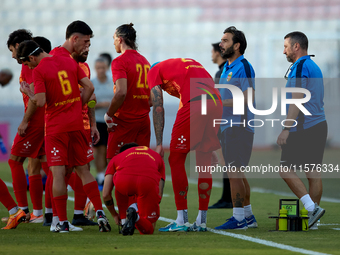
(70, 148)
(31, 145)
(146, 191)
(128, 132)
(87, 133)
(193, 131)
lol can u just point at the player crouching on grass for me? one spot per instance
(139, 172)
(56, 80)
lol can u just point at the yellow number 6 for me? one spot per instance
(64, 82)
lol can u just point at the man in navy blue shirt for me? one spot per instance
(303, 140)
(236, 135)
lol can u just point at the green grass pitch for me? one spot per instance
(36, 239)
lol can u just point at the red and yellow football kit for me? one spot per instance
(132, 118)
(137, 172)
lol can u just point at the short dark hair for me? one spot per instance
(78, 26)
(216, 47)
(28, 48)
(43, 42)
(298, 37)
(238, 37)
(106, 56)
(128, 33)
(127, 146)
(18, 36)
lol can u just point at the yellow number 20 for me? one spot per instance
(139, 69)
(64, 82)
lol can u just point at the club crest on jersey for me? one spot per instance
(27, 144)
(55, 151)
(229, 76)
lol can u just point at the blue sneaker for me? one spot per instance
(232, 223)
(198, 228)
(173, 227)
(251, 221)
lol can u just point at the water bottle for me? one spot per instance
(283, 223)
(304, 214)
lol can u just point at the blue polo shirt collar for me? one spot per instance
(297, 61)
(236, 61)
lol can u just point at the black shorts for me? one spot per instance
(237, 144)
(305, 147)
(102, 129)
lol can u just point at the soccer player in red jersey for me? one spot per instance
(91, 132)
(128, 115)
(56, 80)
(29, 142)
(16, 214)
(188, 80)
(135, 171)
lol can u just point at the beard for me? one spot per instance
(229, 52)
(289, 59)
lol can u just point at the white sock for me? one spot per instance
(123, 221)
(201, 217)
(100, 177)
(13, 210)
(37, 213)
(78, 212)
(307, 203)
(182, 217)
(48, 210)
(247, 211)
(137, 217)
(61, 222)
(87, 200)
(134, 206)
(238, 213)
(55, 220)
(23, 208)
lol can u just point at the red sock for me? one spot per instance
(204, 180)
(92, 192)
(80, 196)
(54, 208)
(6, 198)
(36, 191)
(19, 182)
(60, 203)
(144, 226)
(179, 179)
(48, 185)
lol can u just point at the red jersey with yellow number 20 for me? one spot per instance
(58, 77)
(134, 67)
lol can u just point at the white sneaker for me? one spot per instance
(74, 228)
(315, 215)
(55, 221)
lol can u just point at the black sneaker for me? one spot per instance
(65, 228)
(81, 220)
(103, 223)
(129, 225)
(48, 219)
(221, 204)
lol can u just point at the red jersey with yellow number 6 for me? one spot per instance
(58, 77)
(134, 67)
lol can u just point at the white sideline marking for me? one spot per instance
(238, 236)
(336, 228)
